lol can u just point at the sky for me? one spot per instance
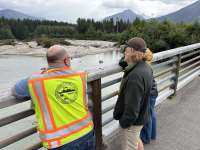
(70, 10)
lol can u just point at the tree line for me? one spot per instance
(159, 35)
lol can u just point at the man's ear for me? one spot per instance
(67, 62)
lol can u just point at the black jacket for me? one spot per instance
(132, 103)
(154, 90)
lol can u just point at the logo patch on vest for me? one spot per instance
(66, 92)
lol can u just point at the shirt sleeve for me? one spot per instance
(20, 90)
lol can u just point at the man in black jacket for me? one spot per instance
(132, 105)
(148, 131)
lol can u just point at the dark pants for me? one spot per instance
(86, 142)
(148, 132)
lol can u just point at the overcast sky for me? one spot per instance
(70, 10)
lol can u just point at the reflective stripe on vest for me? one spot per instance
(54, 127)
(38, 87)
(54, 144)
(65, 131)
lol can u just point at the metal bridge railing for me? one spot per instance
(173, 69)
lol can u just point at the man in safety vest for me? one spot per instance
(60, 103)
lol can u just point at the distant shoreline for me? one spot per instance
(78, 48)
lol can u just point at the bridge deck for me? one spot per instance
(178, 122)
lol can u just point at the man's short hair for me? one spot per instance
(55, 53)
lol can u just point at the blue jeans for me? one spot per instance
(148, 132)
(86, 142)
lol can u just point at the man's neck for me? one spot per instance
(56, 65)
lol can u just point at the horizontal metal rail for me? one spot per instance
(188, 79)
(189, 67)
(104, 85)
(108, 120)
(105, 110)
(100, 73)
(188, 73)
(162, 80)
(174, 52)
(115, 93)
(155, 66)
(164, 71)
(189, 61)
(17, 137)
(9, 101)
(34, 146)
(190, 54)
(167, 85)
(15, 117)
(164, 95)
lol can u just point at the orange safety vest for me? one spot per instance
(59, 96)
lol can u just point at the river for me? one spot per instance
(15, 67)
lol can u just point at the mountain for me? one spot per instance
(186, 14)
(12, 14)
(126, 16)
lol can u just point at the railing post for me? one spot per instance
(97, 114)
(178, 62)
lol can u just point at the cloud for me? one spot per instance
(150, 8)
(70, 10)
(62, 10)
(177, 1)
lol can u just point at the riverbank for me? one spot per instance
(77, 48)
